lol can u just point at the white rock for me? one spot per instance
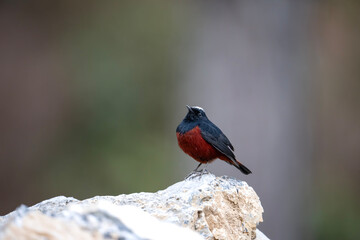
(215, 207)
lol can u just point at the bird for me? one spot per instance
(202, 140)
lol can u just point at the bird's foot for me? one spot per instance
(197, 173)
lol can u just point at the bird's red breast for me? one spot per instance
(193, 144)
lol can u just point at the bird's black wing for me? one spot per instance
(213, 135)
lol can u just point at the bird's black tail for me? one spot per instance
(242, 168)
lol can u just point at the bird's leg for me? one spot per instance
(194, 172)
(196, 169)
(204, 171)
(198, 173)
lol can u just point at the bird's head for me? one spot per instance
(195, 113)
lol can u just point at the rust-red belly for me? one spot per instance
(194, 145)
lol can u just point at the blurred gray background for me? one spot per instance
(91, 94)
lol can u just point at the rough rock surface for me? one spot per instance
(214, 207)
(102, 220)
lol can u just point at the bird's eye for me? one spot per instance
(199, 114)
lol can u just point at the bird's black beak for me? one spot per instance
(189, 108)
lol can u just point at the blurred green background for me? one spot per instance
(91, 94)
